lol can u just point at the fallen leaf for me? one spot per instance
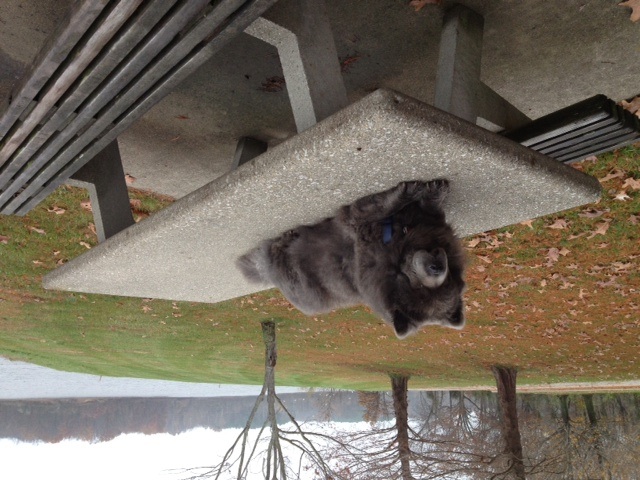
(633, 106)
(85, 244)
(601, 229)
(634, 5)
(611, 283)
(591, 213)
(86, 205)
(474, 243)
(146, 308)
(573, 237)
(56, 253)
(615, 174)
(552, 255)
(273, 84)
(485, 259)
(129, 179)
(136, 204)
(4, 239)
(419, 4)
(347, 62)
(633, 219)
(37, 230)
(559, 224)
(564, 251)
(621, 196)
(37, 262)
(631, 183)
(56, 210)
(528, 223)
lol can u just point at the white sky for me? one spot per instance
(131, 456)
(128, 457)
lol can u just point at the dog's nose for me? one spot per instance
(436, 268)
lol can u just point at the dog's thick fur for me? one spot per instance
(391, 250)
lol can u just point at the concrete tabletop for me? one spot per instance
(187, 251)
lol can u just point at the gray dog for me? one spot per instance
(392, 251)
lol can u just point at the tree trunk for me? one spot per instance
(401, 409)
(506, 383)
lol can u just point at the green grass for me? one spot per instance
(574, 319)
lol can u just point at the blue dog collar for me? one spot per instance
(387, 230)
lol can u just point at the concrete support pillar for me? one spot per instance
(309, 61)
(103, 177)
(248, 148)
(459, 89)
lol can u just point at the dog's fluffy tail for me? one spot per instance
(254, 265)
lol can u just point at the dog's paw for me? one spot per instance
(436, 190)
(440, 185)
(413, 189)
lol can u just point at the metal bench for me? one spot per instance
(108, 64)
(590, 127)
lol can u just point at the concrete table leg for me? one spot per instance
(104, 178)
(248, 148)
(458, 86)
(309, 62)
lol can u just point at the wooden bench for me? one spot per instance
(108, 64)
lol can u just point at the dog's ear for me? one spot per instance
(402, 325)
(457, 319)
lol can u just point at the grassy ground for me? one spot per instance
(557, 297)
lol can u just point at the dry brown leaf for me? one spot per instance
(419, 4)
(484, 258)
(615, 174)
(129, 179)
(592, 213)
(4, 239)
(56, 210)
(633, 219)
(37, 230)
(633, 106)
(528, 223)
(573, 237)
(634, 5)
(601, 229)
(86, 205)
(474, 242)
(631, 183)
(621, 196)
(552, 255)
(136, 204)
(559, 224)
(85, 245)
(564, 251)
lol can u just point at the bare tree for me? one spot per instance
(271, 437)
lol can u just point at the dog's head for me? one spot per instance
(430, 284)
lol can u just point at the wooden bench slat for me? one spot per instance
(121, 78)
(226, 20)
(49, 59)
(91, 79)
(73, 66)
